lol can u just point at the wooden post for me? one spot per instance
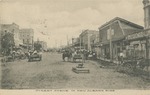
(147, 55)
(110, 35)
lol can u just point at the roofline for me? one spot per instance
(5, 24)
(26, 28)
(120, 19)
(88, 31)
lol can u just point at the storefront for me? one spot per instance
(137, 45)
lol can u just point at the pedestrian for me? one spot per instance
(120, 60)
(83, 56)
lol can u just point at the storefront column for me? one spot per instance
(147, 53)
(147, 48)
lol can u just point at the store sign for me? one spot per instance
(110, 32)
(136, 35)
(134, 42)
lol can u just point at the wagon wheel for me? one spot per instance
(128, 68)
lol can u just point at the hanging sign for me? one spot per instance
(136, 35)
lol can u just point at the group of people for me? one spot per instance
(85, 54)
(12, 55)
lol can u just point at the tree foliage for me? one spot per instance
(37, 46)
(7, 42)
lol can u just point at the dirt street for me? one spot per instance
(53, 73)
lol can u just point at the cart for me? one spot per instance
(77, 56)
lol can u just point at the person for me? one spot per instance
(69, 55)
(94, 55)
(63, 55)
(120, 60)
(13, 54)
(83, 56)
(121, 55)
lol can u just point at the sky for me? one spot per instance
(54, 21)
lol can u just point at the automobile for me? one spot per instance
(35, 56)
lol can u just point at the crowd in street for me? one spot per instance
(83, 54)
(16, 54)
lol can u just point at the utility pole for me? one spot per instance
(32, 43)
(110, 42)
(80, 42)
(56, 43)
(67, 41)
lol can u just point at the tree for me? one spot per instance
(37, 46)
(7, 43)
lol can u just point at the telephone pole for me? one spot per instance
(67, 41)
(110, 42)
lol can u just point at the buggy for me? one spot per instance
(77, 56)
(35, 56)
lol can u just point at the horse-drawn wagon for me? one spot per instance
(77, 56)
(129, 66)
(34, 56)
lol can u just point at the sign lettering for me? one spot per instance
(136, 35)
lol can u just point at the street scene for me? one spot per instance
(53, 73)
(75, 45)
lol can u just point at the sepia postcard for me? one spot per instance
(98, 47)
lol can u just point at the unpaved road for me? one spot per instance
(53, 73)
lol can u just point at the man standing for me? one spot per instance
(121, 55)
(120, 60)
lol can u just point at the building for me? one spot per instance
(0, 41)
(14, 29)
(85, 38)
(139, 43)
(76, 43)
(43, 44)
(146, 4)
(112, 35)
(27, 37)
(11, 28)
(94, 41)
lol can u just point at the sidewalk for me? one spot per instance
(108, 60)
(108, 63)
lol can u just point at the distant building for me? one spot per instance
(11, 28)
(94, 40)
(27, 36)
(14, 29)
(43, 43)
(85, 38)
(76, 42)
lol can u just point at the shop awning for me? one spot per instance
(139, 36)
(113, 40)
